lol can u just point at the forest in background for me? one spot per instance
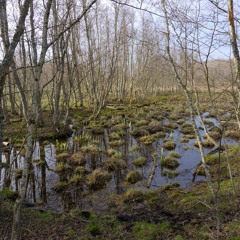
(117, 51)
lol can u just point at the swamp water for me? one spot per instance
(131, 149)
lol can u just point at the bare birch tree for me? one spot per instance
(189, 98)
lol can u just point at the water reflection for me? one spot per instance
(44, 176)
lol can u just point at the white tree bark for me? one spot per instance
(189, 100)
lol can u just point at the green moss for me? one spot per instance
(8, 194)
(212, 159)
(133, 176)
(150, 231)
(94, 229)
(179, 237)
(232, 229)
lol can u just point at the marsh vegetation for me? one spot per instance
(119, 120)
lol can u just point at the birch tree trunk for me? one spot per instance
(189, 100)
(9, 51)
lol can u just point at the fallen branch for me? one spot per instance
(152, 171)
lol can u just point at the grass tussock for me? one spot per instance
(133, 176)
(169, 145)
